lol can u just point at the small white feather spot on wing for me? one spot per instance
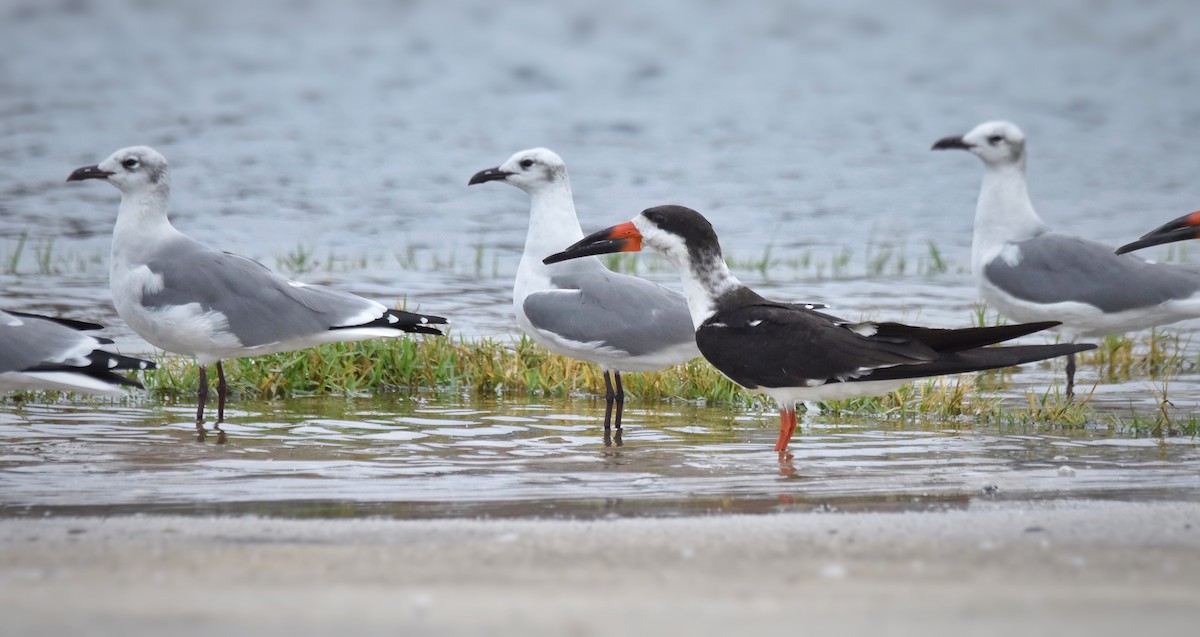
(1011, 253)
(148, 280)
(864, 329)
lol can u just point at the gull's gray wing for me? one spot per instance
(260, 306)
(618, 311)
(26, 342)
(1053, 267)
(30, 343)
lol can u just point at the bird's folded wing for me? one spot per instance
(260, 306)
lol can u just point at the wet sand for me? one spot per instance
(998, 568)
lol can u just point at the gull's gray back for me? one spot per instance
(1054, 268)
(260, 306)
(619, 311)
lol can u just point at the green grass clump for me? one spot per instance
(1165, 420)
(1119, 357)
(1052, 406)
(940, 398)
(520, 366)
(484, 366)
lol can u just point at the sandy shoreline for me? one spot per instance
(1094, 567)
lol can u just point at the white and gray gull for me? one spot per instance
(582, 309)
(47, 353)
(1028, 272)
(185, 297)
(791, 353)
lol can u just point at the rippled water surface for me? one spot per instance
(414, 457)
(334, 141)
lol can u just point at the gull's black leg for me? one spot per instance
(220, 393)
(1070, 375)
(220, 403)
(620, 398)
(202, 396)
(609, 396)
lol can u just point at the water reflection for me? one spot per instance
(446, 455)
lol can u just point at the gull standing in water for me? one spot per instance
(791, 353)
(582, 309)
(1028, 272)
(46, 353)
(185, 297)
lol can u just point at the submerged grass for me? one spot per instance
(484, 366)
(519, 366)
(1159, 354)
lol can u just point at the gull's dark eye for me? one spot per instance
(130, 163)
(995, 139)
(526, 163)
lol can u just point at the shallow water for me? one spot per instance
(802, 130)
(432, 456)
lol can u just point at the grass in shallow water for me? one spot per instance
(519, 366)
(485, 366)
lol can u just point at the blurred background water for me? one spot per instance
(349, 131)
(334, 141)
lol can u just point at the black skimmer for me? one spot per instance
(1028, 272)
(185, 297)
(790, 353)
(47, 353)
(582, 309)
(1181, 229)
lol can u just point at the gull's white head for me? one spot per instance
(996, 143)
(133, 169)
(528, 170)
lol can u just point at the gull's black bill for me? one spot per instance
(1181, 229)
(947, 143)
(88, 172)
(622, 237)
(491, 174)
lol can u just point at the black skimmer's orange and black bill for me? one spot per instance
(51, 353)
(188, 298)
(582, 309)
(1028, 272)
(790, 353)
(1181, 229)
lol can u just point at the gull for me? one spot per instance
(185, 297)
(794, 354)
(47, 353)
(582, 309)
(1028, 272)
